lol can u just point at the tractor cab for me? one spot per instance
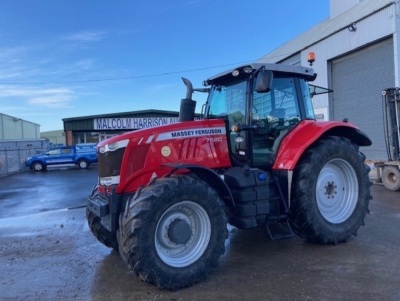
(260, 104)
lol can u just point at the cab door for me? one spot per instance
(273, 114)
(229, 102)
(53, 156)
(59, 156)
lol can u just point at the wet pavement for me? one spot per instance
(47, 252)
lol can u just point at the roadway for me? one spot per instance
(48, 253)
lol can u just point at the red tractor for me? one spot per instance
(256, 158)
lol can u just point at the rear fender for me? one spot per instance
(210, 177)
(307, 133)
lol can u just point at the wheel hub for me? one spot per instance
(391, 178)
(179, 231)
(330, 190)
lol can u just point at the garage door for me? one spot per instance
(357, 82)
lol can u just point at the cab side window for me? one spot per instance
(66, 151)
(54, 152)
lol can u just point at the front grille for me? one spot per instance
(109, 163)
(136, 159)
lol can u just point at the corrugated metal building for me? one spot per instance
(55, 137)
(18, 140)
(17, 128)
(357, 56)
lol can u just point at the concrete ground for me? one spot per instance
(47, 252)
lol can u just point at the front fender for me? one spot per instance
(309, 131)
(209, 176)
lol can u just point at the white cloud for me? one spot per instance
(39, 97)
(194, 2)
(85, 64)
(10, 62)
(8, 53)
(86, 36)
(41, 71)
(52, 101)
(161, 87)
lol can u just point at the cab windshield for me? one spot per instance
(227, 100)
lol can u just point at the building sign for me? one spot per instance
(132, 123)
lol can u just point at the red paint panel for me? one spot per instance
(298, 140)
(195, 142)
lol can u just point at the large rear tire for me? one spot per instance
(173, 232)
(330, 192)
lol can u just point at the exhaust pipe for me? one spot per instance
(188, 105)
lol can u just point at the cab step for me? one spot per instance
(278, 228)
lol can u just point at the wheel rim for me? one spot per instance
(82, 164)
(337, 191)
(196, 219)
(38, 167)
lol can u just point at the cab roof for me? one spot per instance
(304, 72)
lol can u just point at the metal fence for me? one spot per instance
(13, 160)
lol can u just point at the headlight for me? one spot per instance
(113, 146)
(107, 181)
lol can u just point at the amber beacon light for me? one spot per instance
(311, 58)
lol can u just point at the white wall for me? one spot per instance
(373, 28)
(339, 6)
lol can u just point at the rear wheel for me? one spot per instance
(172, 234)
(82, 163)
(391, 177)
(330, 192)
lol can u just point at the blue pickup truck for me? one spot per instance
(81, 154)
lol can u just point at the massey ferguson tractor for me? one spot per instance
(256, 158)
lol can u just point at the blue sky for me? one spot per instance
(72, 58)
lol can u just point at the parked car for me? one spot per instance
(81, 154)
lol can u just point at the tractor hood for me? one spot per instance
(172, 131)
(132, 159)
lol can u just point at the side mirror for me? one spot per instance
(264, 81)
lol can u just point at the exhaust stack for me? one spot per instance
(188, 105)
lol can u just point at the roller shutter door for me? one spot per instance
(357, 82)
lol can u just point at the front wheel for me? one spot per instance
(172, 234)
(37, 166)
(98, 230)
(330, 192)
